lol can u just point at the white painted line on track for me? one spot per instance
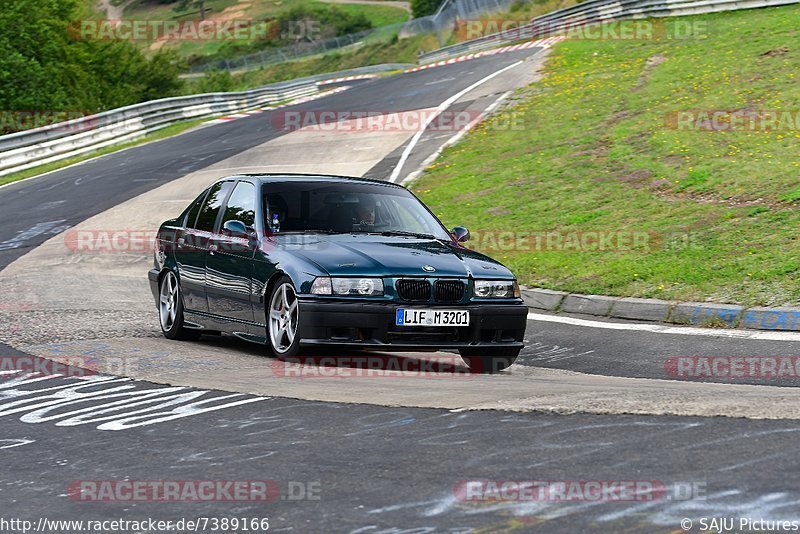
(455, 138)
(759, 335)
(440, 108)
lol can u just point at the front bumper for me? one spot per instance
(372, 325)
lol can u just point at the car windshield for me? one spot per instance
(340, 208)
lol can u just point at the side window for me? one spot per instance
(191, 217)
(212, 205)
(242, 205)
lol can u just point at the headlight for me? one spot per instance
(321, 286)
(364, 287)
(496, 289)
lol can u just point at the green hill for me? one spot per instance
(601, 149)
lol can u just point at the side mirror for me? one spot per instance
(460, 234)
(235, 229)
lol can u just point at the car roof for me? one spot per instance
(306, 177)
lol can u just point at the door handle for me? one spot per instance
(212, 249)
(181, 242)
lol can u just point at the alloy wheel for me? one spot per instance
(283, 315)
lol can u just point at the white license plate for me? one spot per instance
(420, 317)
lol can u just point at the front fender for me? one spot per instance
(281, 262)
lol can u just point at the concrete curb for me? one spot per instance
(662, 311)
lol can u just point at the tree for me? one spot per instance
(42, 67)
(423, 8)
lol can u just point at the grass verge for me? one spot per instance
(596, 151)
(377, 15)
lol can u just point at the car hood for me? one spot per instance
(366, 255)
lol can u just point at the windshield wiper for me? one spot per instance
(390, 233)
(309, 232)
(387, 233)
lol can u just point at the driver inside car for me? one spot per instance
(365, 211)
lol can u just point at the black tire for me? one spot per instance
(283, 323)
(170, 298)
(489, 360)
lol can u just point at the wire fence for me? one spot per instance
(271, 56)
(441, 22)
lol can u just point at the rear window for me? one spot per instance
(191, 217)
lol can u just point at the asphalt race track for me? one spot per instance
(349, 453)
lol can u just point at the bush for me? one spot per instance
(422, 8)
(301, 25)
(215, 81)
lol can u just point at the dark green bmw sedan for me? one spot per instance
(303, 261)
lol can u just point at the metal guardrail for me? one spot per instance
(31, 148)
(595, 12)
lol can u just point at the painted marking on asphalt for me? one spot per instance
(546, 352)
(43, 189)
(49, 205)
(664, 329)
(440, 108)
(49, 227)
(348, 78)
(301, 100)
(126, 403)
(11, 443)
(443, 80)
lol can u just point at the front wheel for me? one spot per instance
(489, 360)
(283, 319)
(170, 310)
